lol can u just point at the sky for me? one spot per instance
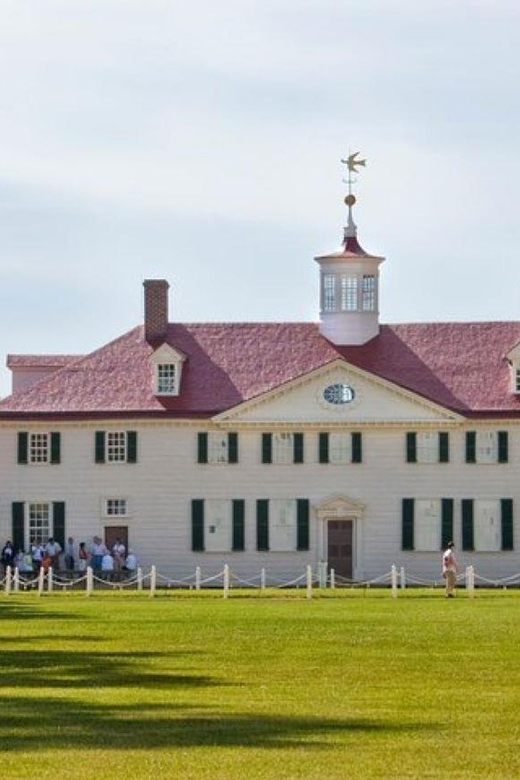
(201, 142)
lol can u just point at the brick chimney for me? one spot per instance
(155, 309)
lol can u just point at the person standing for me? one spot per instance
(449, 569)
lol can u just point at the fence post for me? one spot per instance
(309, 582)
(393, 580)
(197, 578)
(50, 581)
(153, 581)
(332, 579)
(41, 580)
(226, 581)
(139, 578)
(8, 580)
(402, 577)
(16, 580)
(262, 579)
(470, 581)
(322, 575)
(90, 581)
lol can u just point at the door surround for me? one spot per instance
(341, 507)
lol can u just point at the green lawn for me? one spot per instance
(354, 685)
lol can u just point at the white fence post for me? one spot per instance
(226, 581)
(16, 580)
(309, 582)
(393, 580)
(41, 580)
(262, 579)
(402, 577)
(50, 581)
(153, 581)
(470, 581)
(90, 581)
(8, 580)
(332, 579)
(139, 578)
(197, 578)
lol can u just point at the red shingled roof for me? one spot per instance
(461, 366)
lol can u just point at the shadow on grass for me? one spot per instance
(80, 669)
(56, 723)
(16, 611)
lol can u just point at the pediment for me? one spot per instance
(338, 394)
(167, 354)
(337, 507)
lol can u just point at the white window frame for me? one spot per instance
(119, 449)
(45, 510)
(283, 448)
(487, 525)
(282, 524)
(113, 503)
(349, 292)
(218, 447)
(486, 447)
(427, 524)
(218, 526)
(340, 448)
(43, 447)
(427, 447)
(368, 292)
(329, 302)
(168, 371)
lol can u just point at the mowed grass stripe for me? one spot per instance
(353, 686)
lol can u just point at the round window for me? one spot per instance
(339, 393)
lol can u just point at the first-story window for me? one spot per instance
(427, 523)
(39, 523)
(487, 524)
(35, 522)
(217, 525)
(115, 507)
(282, 525)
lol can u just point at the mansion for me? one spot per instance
(275, 445)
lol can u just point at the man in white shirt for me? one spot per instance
(449, 569)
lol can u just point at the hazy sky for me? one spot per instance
(200, 142)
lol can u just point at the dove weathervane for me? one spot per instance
(353, 163)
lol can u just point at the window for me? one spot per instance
(349, 293)
(487, 447)
(487, 524)
(368, 293)
(517, 380)
(340, 448)
(116, 447)
(217, 447)
(427, 523)
(282, 448)
(39, 518)
(39, 448)
(282, 525)
(329, 292)
(427, 447)
(167, 379)
(217, 525)
(115, 507)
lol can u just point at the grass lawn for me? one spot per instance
(348, 686)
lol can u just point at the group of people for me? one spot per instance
(111, 563)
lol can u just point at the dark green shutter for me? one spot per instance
(407, 523)
(232, 447)
(411, 448)
(55, 448)
(18, 533)
(502, 447)
(58, 522)
(262, 524)
(100, 447)
(23, 448)
(357, 452)
(471, 448)
(197, 525)
(323, 447)
(238, 524)
(446, 521)
(267, 448)
(467, 524)
(202, 448)
(444, 447)
(298, 448)
(131, 447)
(506, 506)
(302, 527)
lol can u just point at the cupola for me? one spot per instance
(349, 282)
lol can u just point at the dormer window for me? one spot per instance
(167, 366)
(517, 380)
(167, 379)
(513, 358)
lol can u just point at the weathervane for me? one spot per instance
(352, 166)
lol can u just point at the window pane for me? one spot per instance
(348, 293)
(283, 448)
(166, 378)
(39, 448)
(368, 293)
(217, 522)
(218, 448)
(487, 447)
(427, 524)
(427, 447)
(340, 448)
(329, 292)
(487, 526)
(39, 523)
(282, 525)
(116, 447)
